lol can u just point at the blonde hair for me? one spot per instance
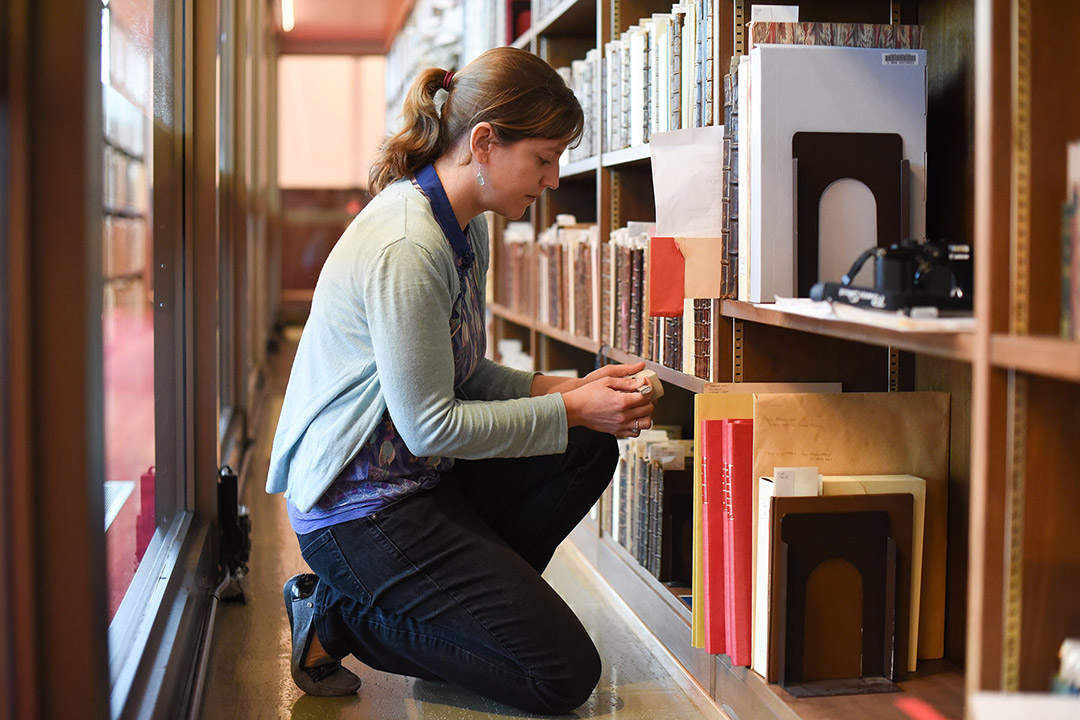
(514, 90)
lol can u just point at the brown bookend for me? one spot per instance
(839, 604)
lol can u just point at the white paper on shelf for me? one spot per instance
(878, 318)
(687, 172)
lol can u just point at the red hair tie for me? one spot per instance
(446, 80)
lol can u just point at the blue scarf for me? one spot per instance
(429, 183)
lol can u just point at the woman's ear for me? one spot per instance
(481, 138)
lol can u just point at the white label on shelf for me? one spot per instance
(899, 58)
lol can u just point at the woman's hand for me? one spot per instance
(610, 404)
(550, 384)
(617, 371)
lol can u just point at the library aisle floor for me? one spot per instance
(248, 672)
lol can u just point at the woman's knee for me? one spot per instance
(596, 449)
(572, 686)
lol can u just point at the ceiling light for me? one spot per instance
(287, 19)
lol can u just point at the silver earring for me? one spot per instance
(480, 175)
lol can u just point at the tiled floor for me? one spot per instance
(248, 674)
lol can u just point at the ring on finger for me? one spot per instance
(637, 426)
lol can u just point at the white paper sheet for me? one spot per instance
(687, 171)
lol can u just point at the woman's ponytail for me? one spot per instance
(418, 141)
(519, 94)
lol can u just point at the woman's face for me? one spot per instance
(517, 173)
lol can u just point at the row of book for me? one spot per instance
(125, 125)
(1070, 246)
(658, 75)
(568, 279)
(125, 245)
(650, 502)
(581, 78)
(567, 263)
(126, 187)
(127, 58)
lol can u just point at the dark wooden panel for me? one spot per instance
(950, 127)
(1055, 116)
(576, 196)
(772, 354)
(557, 355)
(630, 11)
(561, 50)
(636, 201)
(1051, 573)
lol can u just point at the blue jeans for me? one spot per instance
(446, 583)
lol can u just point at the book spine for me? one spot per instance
(702, 337)
(605, 292)
(636, 263)
(709, 84)
(676, 69)
(646, 78)
(729, 202)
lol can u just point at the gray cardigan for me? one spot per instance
(378, 337)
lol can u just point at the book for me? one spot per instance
(738, 520)
(916, 487)
(765, 490)
(714, 551)
(1070, 246)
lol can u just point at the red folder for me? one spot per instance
(667, 273)
(738, 519)
(712, 483)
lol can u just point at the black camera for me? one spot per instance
(932, 274)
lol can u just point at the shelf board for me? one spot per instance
(563, 336)
(501, 311)
(1049, 356)
(579, 167)
(567, 18)
(936, 683)
(626, 156)
(666, 374)
(952, 345)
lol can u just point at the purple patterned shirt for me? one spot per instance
(384, 471)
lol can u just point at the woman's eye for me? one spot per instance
(544, 161)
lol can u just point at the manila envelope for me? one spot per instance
(897, 433)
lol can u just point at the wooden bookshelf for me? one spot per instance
(951, 345)
(566, 18)
(1046, 356)
(626, 156)
(578, 168)
(996, 137)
